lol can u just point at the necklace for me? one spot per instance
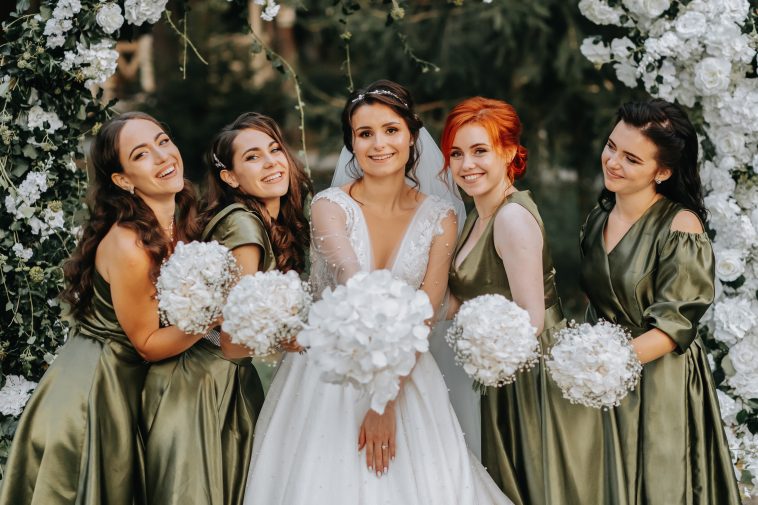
(170, 229)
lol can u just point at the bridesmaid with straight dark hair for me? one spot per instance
(77, 440)
(201, 407)
(647, 265)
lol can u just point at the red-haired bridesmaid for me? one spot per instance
(503, 249)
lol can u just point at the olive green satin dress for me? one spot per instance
(665, 443)
(77, 440)
(200, 408)
(528, 430)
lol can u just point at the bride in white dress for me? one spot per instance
(319, 443)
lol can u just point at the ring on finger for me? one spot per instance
(385, 446)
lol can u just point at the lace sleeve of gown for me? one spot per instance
(333, 258)
(684, 287)
(444, 235)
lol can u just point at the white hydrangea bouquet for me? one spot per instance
(194, 283)
(367, 333)
(493, 339)
(266, 309)
(594, 365)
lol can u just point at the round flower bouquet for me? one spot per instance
(194, 283)
(265, 309)
(493, 339)
(367, 333)
(595, 366)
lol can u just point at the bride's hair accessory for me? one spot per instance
(386, 92)
(217, 162)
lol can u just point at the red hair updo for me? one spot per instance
(500, 121)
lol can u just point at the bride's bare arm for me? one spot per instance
(377, 432)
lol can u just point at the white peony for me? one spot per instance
(109, 17)
(14, 395)
(594, 365)
(647, 8)
(367, 332)
(691, 24)
(599, 12)
(730, 264)
(46, 121)
(138, 12)
(493, 339)
(193, 285)
(266, 309)
(712, 76)
(734, 318)
(596, 51)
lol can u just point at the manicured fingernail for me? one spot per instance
(370, 468)
(385, 470)
(379, 474)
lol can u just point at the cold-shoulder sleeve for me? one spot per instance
(684, 287)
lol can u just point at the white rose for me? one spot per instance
(596, 51)
(690, 24)
(647, 8)
(718, 179)
(737, 234)
(722, 209)
(627, 74)
(600, 12)
(622, 48)
(712, 76)
(725, 40)
(109, 17)
(730, 264)
(137, 12)
(734, 10)
(729, 407)
(730, 143)
(734, 318)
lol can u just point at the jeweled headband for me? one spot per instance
(379, 92)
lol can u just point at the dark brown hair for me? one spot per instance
(666, 124)
(289, 232)
(397, 98)
(110, 205)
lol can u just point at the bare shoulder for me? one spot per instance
(686, 221)
(121, 250)
(514, 219)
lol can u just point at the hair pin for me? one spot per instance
(217, 162)
(379, 92)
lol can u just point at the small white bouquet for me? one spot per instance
(594, 365)
(193, 285)
(266, 309)
(493, 339)
(367, 333)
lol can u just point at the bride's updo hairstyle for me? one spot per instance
(289, 232)
(109, 204)
(500, 121)
(397, 98)
(667, 126)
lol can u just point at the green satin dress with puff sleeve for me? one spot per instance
(665, 443)
(200, 408)
(77, 440)
(528, 430)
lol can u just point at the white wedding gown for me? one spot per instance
(306, 438)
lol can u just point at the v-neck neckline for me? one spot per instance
(396, 253)
(626, 233)
(467, 233)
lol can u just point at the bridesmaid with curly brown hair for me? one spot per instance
(77, 441)
(200, 408)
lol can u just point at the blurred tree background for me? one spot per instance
(526, 53)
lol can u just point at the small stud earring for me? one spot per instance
(657, 180)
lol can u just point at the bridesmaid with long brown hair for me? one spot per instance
(77, 439)
(200, 408)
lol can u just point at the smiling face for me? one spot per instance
(629, 162)
(151, 163)
(478, 168)
(260, 166)
(381, 140)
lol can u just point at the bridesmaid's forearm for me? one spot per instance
(652, 345)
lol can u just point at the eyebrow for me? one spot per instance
(626, 152)
(479, 144)
(145, 145)
(258, 148)
(391, 123)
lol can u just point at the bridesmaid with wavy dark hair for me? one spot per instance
(647, 265)
(200, 408)
(77, 439)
